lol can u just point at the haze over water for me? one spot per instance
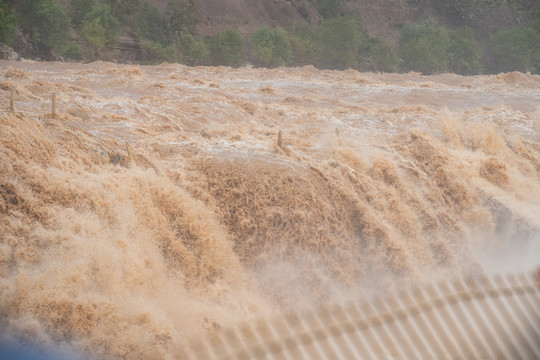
(379, 181)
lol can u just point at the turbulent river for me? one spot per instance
(246, 193)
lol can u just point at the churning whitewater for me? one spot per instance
(248, 192)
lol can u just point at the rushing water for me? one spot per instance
(378, 181)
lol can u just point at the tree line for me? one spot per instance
(88, 29)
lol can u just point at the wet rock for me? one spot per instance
(7, 53)
(502, 216)
(54, 56)
(508, 224)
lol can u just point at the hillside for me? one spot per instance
(486, 36)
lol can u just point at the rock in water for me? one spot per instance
(7, 53)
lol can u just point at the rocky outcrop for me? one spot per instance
(7, 53)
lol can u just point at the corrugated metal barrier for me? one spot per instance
(495, 317)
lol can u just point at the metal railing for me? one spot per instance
(492, 317)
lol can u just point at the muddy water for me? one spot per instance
(377, 181)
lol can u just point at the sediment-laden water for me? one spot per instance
(250, 192)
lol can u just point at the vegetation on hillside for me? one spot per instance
(7, 23)
(271, 47)
(226, 48)
(45, 22)
(518, 49)
(430, 48)
(91, 29)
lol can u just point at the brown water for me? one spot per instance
(379, 181)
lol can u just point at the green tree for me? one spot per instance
(154, 51)
(195, 51)
(463, 52)
(341, 43)
(383, 57)
(124, 10)
(304, 46)
(95, 35)
(72, 51)
(79, 9)
(151, 24)
(226, 48)
(99, 28)
(535, 15)
(7, 23)
(271, 47)
(46, 23)
(104, 16)
(517, 50)
(424, 47)
(182, 17)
